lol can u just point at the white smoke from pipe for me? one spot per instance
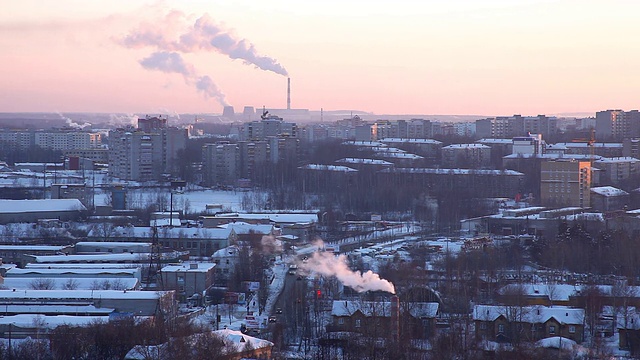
(123, 119)
(172, 62)
(72, 124)
(327, 264)
(202, 35)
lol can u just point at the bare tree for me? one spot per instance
(42, 284)
(71, 284)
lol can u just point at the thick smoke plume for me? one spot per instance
(172, 62)
(327, 264)
(203, 34)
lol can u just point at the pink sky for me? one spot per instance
(428, 57)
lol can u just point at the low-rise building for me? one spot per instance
(15, 211)
(503, 323)
(608, 198)
(189, 280)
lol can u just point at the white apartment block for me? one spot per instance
(52, 139)
(616, 170)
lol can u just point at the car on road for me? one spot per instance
(272, 319)
(278, 310)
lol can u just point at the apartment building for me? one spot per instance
(63, 139)
(565, 182)
(516, 125)
(135, 154)
(466, 155)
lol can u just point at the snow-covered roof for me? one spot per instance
(423, 310)
(410, 141)
(364, 143)
(336, 168)
(398, 155)
(588, 216)
(188, 267)
(586, 144)
(108, 257)
(166, 222)
(170, 233)
(367, 308)
(608, 191)
(33, 247)
(466, 146)
(382, 308)
(56, 309)
(363, 161)
(63, 265)
(291, 218)
(113, 244)
(552, 156)
(529, 314)
(70, 272)
(80, 294)
(246, 228)
(27, 320)
(560, 292)
(496, 141)
(25, 283)
(556, 147)
(36, 206)
(452, 171)
(229, 251)
(622, 159)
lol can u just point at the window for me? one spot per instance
(180, 278)
(341, 321)
(552, 329)
(483, 326)
(358, 323)
(500, 328)
(572, 329)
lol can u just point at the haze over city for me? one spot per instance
(423, 57)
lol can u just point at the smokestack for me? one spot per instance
(395, 318)
(288, 93)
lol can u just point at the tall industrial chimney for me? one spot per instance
(395, 318)
(288, 93)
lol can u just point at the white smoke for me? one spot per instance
(271, 245)
(172, 62)
(72, 124)
(202, 35)
(327, 264)
(123, 119)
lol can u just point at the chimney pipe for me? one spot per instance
(395, 318)
(288, 93)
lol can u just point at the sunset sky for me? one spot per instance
(484, 57)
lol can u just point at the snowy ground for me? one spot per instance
(189, 201)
